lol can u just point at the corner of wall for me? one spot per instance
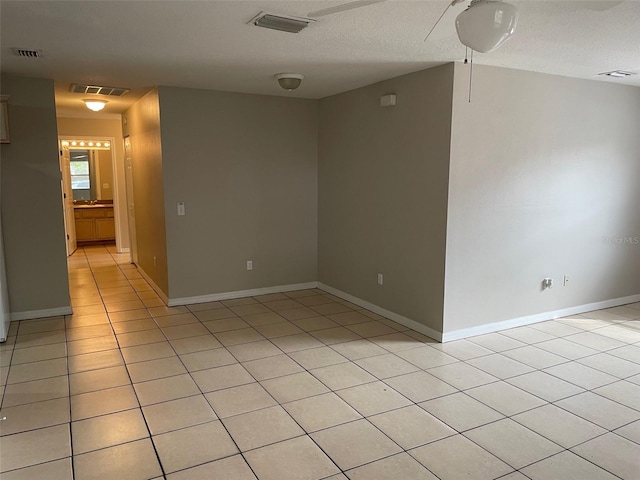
(543, 182)
(383, 182)
(141, 124)
(33, 225)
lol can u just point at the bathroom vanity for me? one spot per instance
(94, 223)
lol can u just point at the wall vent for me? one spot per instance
(98, 90)
(280, 22)
(27, 52)
(617, 74)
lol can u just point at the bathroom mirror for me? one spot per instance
(91, 174)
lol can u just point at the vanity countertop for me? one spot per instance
(93, 206)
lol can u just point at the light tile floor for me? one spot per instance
(304, 385)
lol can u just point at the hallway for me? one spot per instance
(304, 385)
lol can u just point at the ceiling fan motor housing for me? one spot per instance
(486, 24)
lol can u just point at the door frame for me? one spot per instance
(131, 207)
(114, 162)
(67, 196)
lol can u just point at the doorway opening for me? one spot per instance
(89, 187)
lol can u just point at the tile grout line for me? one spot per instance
(139, 408)
(348, 360)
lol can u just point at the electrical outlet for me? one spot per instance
(380, 279)
(249, 264)
(181, 210)
(565, 282)
(547, 283)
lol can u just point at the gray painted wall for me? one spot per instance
(32, 218)
(142, 124)
(383, 176)
(246, 168)
(542, 168)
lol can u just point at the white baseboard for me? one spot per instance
(157, 289)
(407, 322)
(214, 297)
(539, 317)
(124, 250)
(47, 312)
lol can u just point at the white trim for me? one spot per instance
(48, 312)
(114, 192)
(214, 297)
(407, 322)
(538, 317)
(153, 285)
(124, 250)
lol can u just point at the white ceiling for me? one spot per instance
(208, 44)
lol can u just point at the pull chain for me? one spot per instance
(470, 75)
(469, 61)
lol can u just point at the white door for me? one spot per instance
(131, 211)
(67, 200)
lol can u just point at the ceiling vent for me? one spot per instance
(98, 90)
(617, 74)
(281, 23)
(27, 52)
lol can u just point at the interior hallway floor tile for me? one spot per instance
(305, 385)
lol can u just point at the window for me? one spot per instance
(81, 181)
(79, 164)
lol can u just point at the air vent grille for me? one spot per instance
(98, 90)
(280, 23)
(26, 52)
(617, 74)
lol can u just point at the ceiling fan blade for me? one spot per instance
(437, 22)
(343, 8)
(445, 25)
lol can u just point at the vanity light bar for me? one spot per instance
(86, 144)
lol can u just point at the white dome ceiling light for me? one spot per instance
(289, 81)
(95, 105)
(486, 24)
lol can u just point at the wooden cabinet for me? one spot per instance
(105, 228)
(85, 229)
(94, 224)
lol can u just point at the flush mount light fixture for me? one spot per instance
(289, 81)
(95, 105)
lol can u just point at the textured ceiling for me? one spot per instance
(208, 44)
